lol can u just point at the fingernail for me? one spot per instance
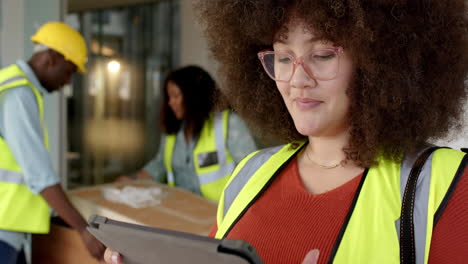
(317, 253)
(115, 258)
(311, 257)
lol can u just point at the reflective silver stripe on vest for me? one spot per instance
(170, 177)
(420, 203)
(12, 79)
(224, 169)
(219, 138)
(244, 175)
(11, 177)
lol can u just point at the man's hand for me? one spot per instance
(95, 248)
(56, 198)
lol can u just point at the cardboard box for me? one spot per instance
(178, 210)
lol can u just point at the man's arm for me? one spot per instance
(20, 127)
(56, 198)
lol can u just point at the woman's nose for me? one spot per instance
(301, 78)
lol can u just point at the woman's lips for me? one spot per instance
(306, 104)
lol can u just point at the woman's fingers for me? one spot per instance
(311, 257)
(112, 257)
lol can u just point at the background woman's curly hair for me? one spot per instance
(410, 55)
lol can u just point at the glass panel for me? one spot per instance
(113, 110)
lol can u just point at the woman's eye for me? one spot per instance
(284, 59)
(323, 57)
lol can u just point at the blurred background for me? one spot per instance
(106, 123)
(112, 111)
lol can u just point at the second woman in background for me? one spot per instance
(199, 147)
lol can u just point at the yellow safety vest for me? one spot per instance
(371, 234)
(20, 209)
(212, 161)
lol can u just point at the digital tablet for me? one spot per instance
(143, 244)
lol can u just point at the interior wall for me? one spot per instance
(194, 49)
(86, 5)
(11, 31)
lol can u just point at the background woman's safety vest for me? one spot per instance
(371, 233)
(20, 209)
(212, 161)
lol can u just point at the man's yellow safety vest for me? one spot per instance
(20, 209)
(370, 233)
(212, 161)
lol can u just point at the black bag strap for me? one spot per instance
(407, 244)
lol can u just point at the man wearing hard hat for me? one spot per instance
(28, 183)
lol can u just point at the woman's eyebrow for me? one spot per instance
(311, 40)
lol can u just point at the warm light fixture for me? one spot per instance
(113, 66)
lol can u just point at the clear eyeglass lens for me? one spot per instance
(322, 64)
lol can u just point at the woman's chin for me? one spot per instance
(312, 130)
(307, 130)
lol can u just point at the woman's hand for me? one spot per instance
(311, 257)
(112, 257)
(124, 178)
(140, 175)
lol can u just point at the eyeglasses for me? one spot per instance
(320, 64)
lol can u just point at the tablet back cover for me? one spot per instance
(142, 245)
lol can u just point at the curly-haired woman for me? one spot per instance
(200, 146)
(355, 88)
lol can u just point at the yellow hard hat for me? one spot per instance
(65, 40)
